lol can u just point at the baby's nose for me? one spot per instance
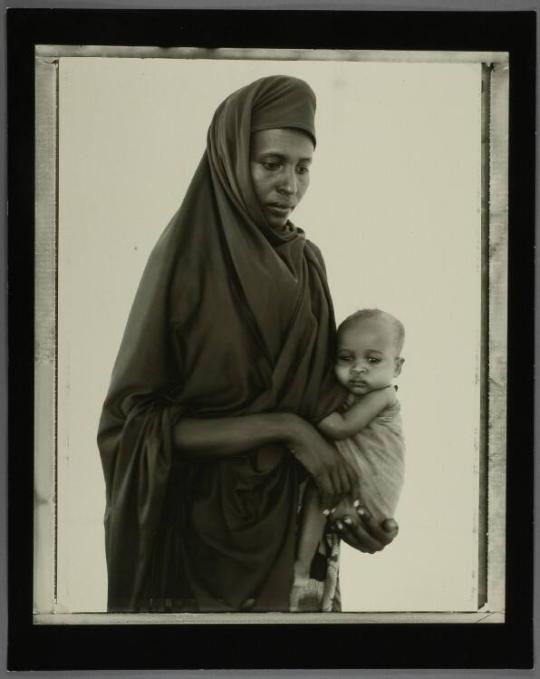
(360, 368)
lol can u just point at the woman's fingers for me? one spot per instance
(336, 483)
(354, 533)
(365, 533)
(383, 532)
(332, 483)
(339, 481)
(390, 526)
(326, 492)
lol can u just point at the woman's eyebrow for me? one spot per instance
(283, 156)
(274, 154)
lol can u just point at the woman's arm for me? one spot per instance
(208, 439)
(339, 426)
(227, 436)
(202, 439)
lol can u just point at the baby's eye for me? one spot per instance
(344, 358)
(373, 359)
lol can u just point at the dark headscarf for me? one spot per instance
(230, 318)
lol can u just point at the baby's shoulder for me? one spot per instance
(390, 413)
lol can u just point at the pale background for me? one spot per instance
(394, 205)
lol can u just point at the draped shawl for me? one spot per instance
(230, 318)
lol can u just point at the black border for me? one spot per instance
(60, 647)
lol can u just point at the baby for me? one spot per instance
(367, 433)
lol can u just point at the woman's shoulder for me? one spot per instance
(316, 253)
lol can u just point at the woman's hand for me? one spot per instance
(333, 475)
(364, 533)
(209, 439)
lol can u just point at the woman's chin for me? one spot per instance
(275, 221)
(278, 224)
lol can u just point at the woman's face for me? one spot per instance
(280, 160)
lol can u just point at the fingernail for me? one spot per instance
(356, 503)
(347, 520)
(332, 510)
(339, 525)
(361, 511)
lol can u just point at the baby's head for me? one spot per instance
(369, 348)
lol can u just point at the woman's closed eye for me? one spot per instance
(272, 165)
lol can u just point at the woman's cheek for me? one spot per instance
(303, 188)
(259, 179)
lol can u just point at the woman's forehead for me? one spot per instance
(284, 140)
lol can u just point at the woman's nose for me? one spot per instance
(287, 182)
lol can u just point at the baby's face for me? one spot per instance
(366, 357)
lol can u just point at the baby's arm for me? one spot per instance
(339, 426)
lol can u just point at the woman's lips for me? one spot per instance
(280, 210)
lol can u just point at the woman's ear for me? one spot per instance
(399, 363)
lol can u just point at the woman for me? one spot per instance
(226, 360)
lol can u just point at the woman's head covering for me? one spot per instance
(283, 101)
(230, 318)
(277, 101)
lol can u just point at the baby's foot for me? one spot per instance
(306, 595)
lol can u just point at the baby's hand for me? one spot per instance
(391, 392)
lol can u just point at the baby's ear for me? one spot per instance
(399, 364)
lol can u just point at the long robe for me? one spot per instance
(230, 318)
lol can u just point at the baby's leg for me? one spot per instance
(307, 594)
(311, 532)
